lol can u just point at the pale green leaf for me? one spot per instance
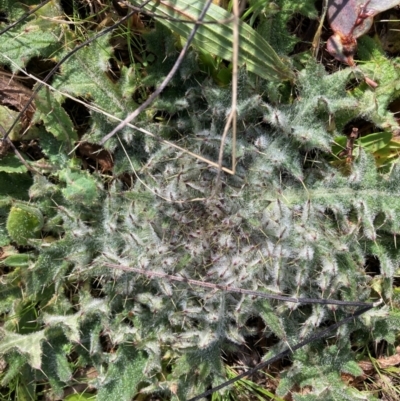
(86, 75)
(217, 38)
(38, 37)
(69, 325)
(274, 322)
(55, 117)
(81, 187)
(15, 363)
(14, 185)
(11, 164)
(28, 344)
(18, 260)
(123, 375)
(7, 118)
(374, 142)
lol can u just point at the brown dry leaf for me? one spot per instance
(137, 22)
(347, 378)
(349, 20)
(15, 95)
(7, 251)
(389, 361)
(97, 154)
(3, 365)
(384, 363)
(366, 366)
(174, 388)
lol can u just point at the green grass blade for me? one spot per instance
(217, 37)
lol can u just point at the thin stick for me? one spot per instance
(232, 119)
(163, 85)
(288, 351)
(363, 307)
(24, 17)
(23, 161)
(317, 36)
(113, 117)
(228, 288)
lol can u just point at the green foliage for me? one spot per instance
(273, 26)
(11, 164)
(55, 117)
(24, 222)
(124, 375)
(38, 37)
(87, 76)
(217, 39)
(7, 118)
(80, 397)
(288, 222)
(21, 260)
(80, 188)
(28, 345)
(14, 185)
(320, 370)
(385, 72)
(379, 144)
(245, 388)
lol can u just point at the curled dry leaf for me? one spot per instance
(390, 361)
(369, 368)
(15, 95)
(350, 19)
(100, 157)
(383, 363)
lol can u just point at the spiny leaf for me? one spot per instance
(69, 325)
(81, 187)
(17, 260)
(56, 119)
(85, 75)
(28, 344)
(39, 37)
(124, 375)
